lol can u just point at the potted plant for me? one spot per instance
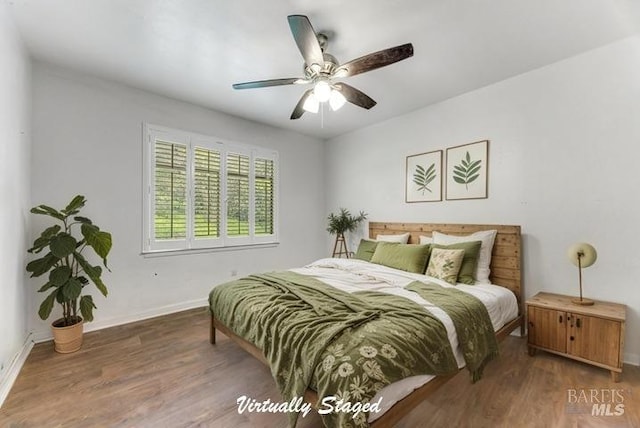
(69, 271)
(341, 223)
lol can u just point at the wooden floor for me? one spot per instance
(164, 373)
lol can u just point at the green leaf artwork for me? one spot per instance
(468, 171)
(423, 177)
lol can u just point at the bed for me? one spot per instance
(400, 396)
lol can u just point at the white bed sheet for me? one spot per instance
(352, 275)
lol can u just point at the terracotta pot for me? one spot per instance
(67, 339)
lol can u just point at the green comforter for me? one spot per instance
(347, 346)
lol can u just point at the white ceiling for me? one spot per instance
(193, 50)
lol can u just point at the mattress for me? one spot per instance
(351, 275)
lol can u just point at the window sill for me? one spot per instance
(182, 252)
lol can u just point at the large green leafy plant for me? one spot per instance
(344, 222)
(69, 272)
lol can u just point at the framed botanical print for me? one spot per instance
(424, 177)
(467, 171)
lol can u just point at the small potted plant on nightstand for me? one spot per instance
(341, 223)
(69, 272)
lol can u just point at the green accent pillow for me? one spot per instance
(365, 249)
(470, 260)
(445, 264)
(408, 257)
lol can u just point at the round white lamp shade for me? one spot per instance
(583, 251)
(582, 255)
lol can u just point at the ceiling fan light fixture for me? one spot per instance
(311, 104)
(322, 91)
(320, 68)
(337, 100)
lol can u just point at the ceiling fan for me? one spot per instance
(321, 69)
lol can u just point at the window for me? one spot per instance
(264, 171)
(207, 193)
(237, 195)
(204, 193)
(170, 196)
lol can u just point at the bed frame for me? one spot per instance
(505, 271)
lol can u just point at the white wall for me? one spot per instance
(15, 104)
(564, 155)
(87, 139)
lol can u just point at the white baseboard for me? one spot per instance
(43, 336)
(10, 376)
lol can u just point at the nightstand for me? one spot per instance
(591, 334)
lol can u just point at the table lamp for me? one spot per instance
(582, 255)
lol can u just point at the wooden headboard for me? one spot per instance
(505, 259)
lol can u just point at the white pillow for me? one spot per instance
(484, 260)
(425, 240)
(403, 239)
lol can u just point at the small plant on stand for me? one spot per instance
(341, 223)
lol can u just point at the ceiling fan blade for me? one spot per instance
(355, 96)
(299, 110)
(375, 60)
(306, 39)
(267, 83)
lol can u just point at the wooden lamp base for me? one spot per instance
(582, 302)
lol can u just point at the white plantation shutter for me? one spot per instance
(207, 193)
(170, 190)
(237, 195)
(203, 193)
(264, 194)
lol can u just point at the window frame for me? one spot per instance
(191, 140)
